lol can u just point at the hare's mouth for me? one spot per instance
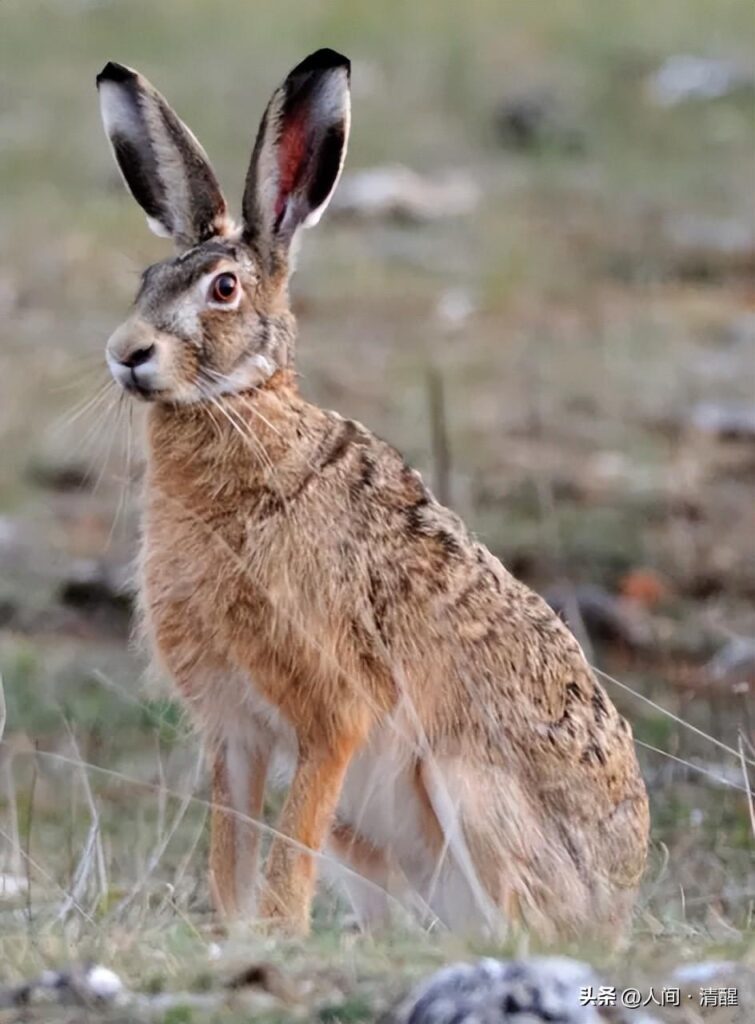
(137, 376)
(141, 390)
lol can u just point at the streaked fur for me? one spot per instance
(332, 627)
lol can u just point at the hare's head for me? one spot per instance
(214, 319)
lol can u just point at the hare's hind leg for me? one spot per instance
(365, 880)
(465, 881)
(238, 789)
(520, 867)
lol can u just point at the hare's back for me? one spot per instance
(481, 652)
(436, 600)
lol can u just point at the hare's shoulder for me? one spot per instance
(382, 486)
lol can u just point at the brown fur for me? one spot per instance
(345, 590)
(308, 594)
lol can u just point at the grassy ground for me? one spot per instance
(568, 389)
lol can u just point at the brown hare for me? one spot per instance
(328, 624)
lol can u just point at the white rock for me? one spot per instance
(397, 192)
(702, 972)
(12, 886)
(104, 983)
(685, 76)
(733, 420)
(497, 992)
(455, 307)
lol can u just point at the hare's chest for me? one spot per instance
(183, 564)
(216, 585)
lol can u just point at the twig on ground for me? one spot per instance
(441, 451)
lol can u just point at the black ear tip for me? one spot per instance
(113, 72)
(323, 60)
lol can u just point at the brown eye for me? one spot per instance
(224, 288)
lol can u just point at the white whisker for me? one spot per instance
(250, 407)
(127, 479)
(242, 429)
(114, 432)
(86, 405)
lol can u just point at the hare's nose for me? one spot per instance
(138, 357)
(133, 355)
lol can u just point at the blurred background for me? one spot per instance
(537, 279)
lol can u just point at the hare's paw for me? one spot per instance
(281, 916)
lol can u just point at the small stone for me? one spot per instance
(702, 972)
(683, 77)
(69, 476)
(536, 120)
(12, 886)
(732, 421)
(499, 992)
(703, 247)
(734, 664)
(644, 586)
(91, 584)
(605, 617)
(104, 984)
(455, 307)
(395, 192)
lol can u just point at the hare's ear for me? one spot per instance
(299, 153)
(163, 165)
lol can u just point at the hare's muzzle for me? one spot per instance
(132, 358)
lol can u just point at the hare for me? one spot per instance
(329, 625)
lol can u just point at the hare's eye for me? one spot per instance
(224, 288)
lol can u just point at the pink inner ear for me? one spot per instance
(292, 149)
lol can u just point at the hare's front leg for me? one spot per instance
(304, 825)
(238, 790)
